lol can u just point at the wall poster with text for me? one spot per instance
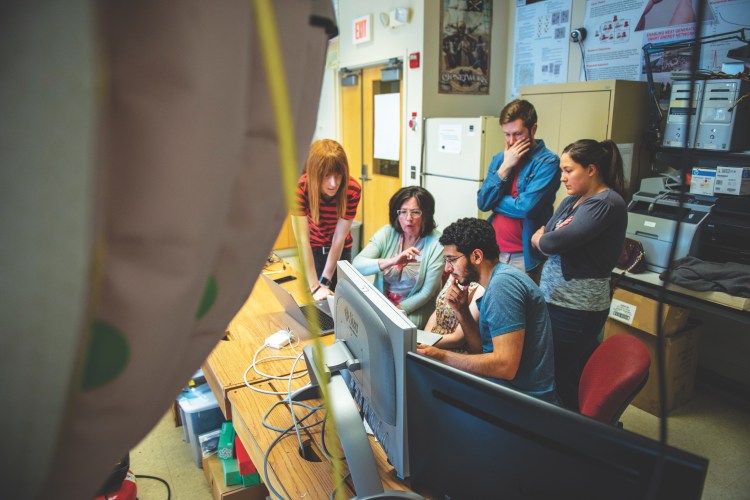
(465, 41)
(618, 30)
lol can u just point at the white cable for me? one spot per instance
(257, 361)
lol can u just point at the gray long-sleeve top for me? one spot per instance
(591, 243)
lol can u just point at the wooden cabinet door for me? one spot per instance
(584, 115)
(548, 113)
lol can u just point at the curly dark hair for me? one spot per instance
(469, 234)
(425, 201)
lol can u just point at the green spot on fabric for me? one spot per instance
(209, 297)
(108, 355)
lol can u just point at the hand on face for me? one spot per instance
(515, 153)
(518, 143)
(456, 297)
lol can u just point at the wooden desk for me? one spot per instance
(289, 473)
(260, 316)
(649, 284)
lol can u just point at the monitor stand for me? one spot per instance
(349, 424)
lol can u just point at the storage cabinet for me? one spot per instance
(602, 109)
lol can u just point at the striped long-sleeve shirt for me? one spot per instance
(321, 234)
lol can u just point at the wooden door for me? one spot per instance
(378, 182)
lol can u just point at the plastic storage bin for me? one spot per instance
(200, 414)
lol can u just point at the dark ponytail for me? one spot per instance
(605, 156)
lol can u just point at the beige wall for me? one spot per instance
(421, 35)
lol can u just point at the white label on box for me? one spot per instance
(703, 180)
(622, 311)
(649, 223)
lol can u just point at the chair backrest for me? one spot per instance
(612, 377)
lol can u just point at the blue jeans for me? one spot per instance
(575, 336)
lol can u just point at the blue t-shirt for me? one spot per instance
(512, 302)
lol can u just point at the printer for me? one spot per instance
(652, 218)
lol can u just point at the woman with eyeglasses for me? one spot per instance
(405, 256)
(326, 203)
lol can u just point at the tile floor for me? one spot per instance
(164, 454)
(711, 425)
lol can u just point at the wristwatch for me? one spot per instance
(324, 281)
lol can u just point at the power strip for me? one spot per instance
(279, 339)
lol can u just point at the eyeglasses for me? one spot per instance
(449, 261)
(406, 213)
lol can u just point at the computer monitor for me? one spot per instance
(471, 438)
(367, 363)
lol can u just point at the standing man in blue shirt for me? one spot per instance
(520, 188)
(511, 344)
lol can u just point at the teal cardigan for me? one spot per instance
(420, 303)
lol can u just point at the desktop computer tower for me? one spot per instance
(676, 133)
(723, 119)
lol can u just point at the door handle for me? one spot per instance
(364, 177)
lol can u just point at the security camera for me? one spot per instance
(578, 35)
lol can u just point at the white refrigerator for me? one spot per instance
(457, 152)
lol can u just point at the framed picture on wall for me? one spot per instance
(465, 41)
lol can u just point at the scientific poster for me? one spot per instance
(618, 30)
(541, 49)
(465, 41)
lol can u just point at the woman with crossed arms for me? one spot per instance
(582, 241)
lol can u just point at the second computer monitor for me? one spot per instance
(471, 438)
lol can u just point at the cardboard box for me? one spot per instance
(639, 312)
(215, 476)
(680, 361)
(702, 181)
(732, 180)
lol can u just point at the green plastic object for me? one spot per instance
(231, 472)
(251, 479)
(226, 442)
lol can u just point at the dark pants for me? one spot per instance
(575, 336)
(320, 256)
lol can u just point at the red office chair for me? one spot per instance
(612, 377)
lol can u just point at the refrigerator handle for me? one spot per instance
(422, 166)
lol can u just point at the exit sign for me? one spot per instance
(362, 26)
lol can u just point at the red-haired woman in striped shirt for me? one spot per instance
(326, 203)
